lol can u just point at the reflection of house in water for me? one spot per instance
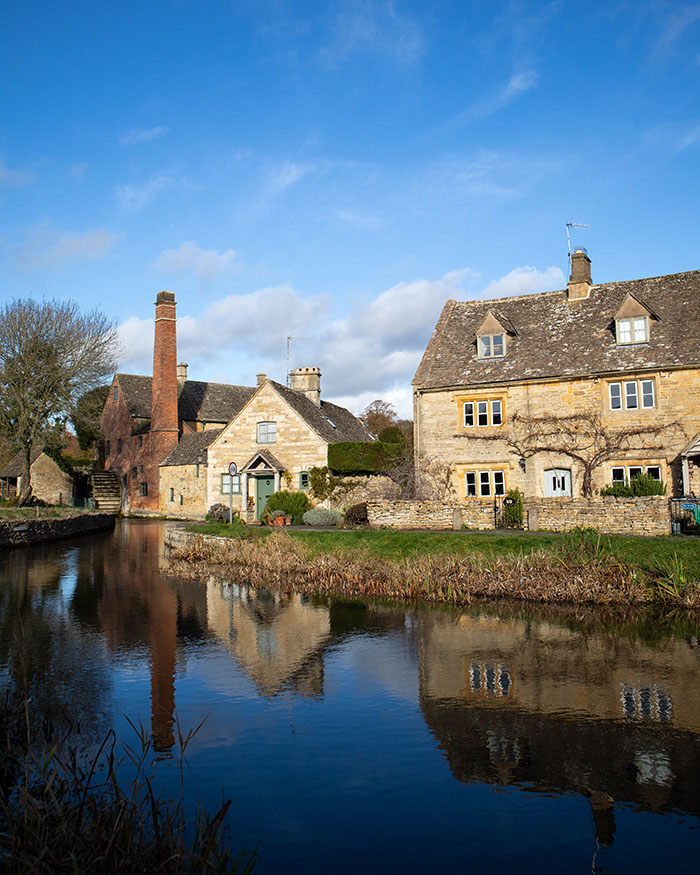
(277, 638)
(534, 704)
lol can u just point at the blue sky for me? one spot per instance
(336, 171)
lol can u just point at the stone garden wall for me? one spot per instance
(17, 533)
(430, 514)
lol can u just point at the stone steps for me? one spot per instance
(107, 491)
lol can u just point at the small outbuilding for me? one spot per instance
(50, 483)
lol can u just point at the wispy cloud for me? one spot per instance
(205, 264)
(15, 177)
(373, 27)
(674, 21)
(287, 174)
(518, 84)
(46, 247)
(132, 197)
(133, 138)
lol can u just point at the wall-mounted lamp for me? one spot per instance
(523, 465)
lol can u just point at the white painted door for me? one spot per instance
(557, 481)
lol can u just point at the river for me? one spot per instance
(359, 737)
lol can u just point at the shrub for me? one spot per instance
(641, 484)
(219, 513)
(294, 504)
(319, 516)
(513, 514)
(356, 515)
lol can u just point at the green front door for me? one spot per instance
(264, 487)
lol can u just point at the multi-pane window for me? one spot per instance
(630, 393)
(144, 488)
(625, 473)
(484, 483)
(267, 432)
(304, 480)
(227, 482)
(481, 413)
(634, 330)
(492, 346)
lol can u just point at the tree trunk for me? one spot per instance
(26, 493)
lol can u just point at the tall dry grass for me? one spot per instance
(582, 573)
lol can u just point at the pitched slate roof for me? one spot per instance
(270, 460)
(189, 448)
(331, 422)
(14, 466)
(205, 402)
(558, 339)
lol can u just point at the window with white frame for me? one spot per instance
(484, 484)
(227, 482)
(483, 413)
(633, 330)
(491, 346)
(632, 394)
(267, 432)
(625, 473)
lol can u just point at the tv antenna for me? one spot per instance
(569, 226)
(290, 338)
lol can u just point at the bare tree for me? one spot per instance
(378, 415)
(50, 355)
(582, 437)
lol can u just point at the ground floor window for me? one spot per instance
(144, 488)
(625, 473)
(172, 494)
(230, 484)
(484, 484)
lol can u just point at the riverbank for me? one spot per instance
(21, 529)
(452, 568)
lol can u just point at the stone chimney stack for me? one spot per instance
(182, 372)
(164, 419)
(580, 279)
(308, 381)
(261, 378)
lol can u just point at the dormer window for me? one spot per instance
(633, 330)
(492, 346)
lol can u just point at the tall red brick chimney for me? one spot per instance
(164, 420)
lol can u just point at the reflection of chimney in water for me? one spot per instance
(603, 817)
(162, 609)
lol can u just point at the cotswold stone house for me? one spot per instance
(627, 352)
(49, 482)
(169, 440)
(276, 437)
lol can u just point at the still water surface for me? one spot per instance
(363, 737)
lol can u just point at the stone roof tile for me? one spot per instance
(191, 448)
(197, 401)
(556, 338)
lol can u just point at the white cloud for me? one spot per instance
(132, 138)
(373, 27)
(46, 247)
(134, 197)
(206, 264)
(364, 221)
(372, 353)
(15, 177)
(518, 84)
(523, 281)
(281, 178)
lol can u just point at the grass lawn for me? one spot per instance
(644, 553)
(9, 512)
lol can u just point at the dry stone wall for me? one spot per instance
(18, 533)
(430, 514)
(613, 516)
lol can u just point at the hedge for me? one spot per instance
(362, 457)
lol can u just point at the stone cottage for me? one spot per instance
(624, 353)
(50, 483)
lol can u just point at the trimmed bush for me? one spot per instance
(356, 515)
(294, 504)
(362, 457)
(319, 516)
(642, 484)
